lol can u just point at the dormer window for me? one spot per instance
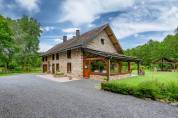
(68, 54)
(102, 41)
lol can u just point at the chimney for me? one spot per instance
(64, 39)
(77, 33)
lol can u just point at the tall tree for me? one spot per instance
(30, 46)
(6, 43)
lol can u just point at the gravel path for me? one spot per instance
(29, 96)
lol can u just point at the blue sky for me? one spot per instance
(134, 22)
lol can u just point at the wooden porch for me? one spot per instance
(110, 61)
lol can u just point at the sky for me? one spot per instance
(134, 22)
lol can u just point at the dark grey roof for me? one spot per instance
(112, 55)
(159, 60)
(76, 41)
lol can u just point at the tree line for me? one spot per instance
(153, 50)
(19, 43)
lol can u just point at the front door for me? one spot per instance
(86, 70)
(44, 68)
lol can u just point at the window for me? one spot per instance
(69, 68)
(57, 67)
(57, 56)
(53, 56)
(102, 41)
(68, 54)
(46, 58)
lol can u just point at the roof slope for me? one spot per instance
(82, 40)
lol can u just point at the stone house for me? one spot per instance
(77, 57)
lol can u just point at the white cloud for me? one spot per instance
(86, 11)
(47, 28)
(29, 5)
(138, 16)
(58, 40)
(14, 8)
(70, 30)
(45, 46)
(147, 17)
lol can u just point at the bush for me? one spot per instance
(149, 89)
(59, 74)
(118, 88)
(170, 91)
(153, 89)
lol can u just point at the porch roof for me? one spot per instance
(113, 55)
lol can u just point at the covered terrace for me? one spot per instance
(109, 64)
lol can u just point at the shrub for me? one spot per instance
(170, 91)
(122, 88)
(59, 73)
(149, 89)
(153, 89)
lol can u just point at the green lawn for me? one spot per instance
(33, 71)
(159, 76)
(9, 74)
(154, 85)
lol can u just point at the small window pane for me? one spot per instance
(102, 41)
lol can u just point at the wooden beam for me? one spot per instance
(174, 67)
(108, 70)
(138, 68)
(94, 58)
(119, 66)
(129, 67)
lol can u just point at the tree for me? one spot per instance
(6, 43)
(153, 50)
(30, 42)
(19, 43)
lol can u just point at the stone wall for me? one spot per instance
(76, 61)
(97, 45)
(112, 77)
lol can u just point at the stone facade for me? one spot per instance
(101, 43)
(97, 45)
(76, 61)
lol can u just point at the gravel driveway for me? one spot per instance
(29, 96)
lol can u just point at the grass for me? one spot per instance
(16, 73)
(34, 71)
(155, 85)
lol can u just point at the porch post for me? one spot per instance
(119, 66)
(174, 67)
(138, 68)
(129, 68)
(108, 70)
